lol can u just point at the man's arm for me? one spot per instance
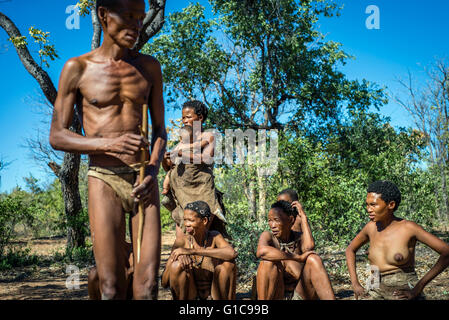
(61, 138)
(266, 251)
(157, 114)
(158, 136)
(442, 263)
(360, 239)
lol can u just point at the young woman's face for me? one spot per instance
(378, 209)
(189, 115)
(194, 223)
(280, 223)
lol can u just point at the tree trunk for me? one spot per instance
(261, 181)
(249, 187)
(68, 176)
(444, 189)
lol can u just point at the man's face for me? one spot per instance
(377, 208)
(124, 23)
(280, 223)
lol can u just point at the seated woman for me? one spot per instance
(392, 249)
(286, 272)
(202, 262)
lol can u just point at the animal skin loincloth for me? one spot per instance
(390, 282)
(121, 179)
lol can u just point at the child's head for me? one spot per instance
(186, 134)
(196, 217)
(281, 218)
(288, 195)
(383, 198)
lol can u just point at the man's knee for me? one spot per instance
(110, 289)
(146, 290)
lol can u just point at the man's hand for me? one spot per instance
(128, 143)
(407, 294)
(359, 291)
(144, 190)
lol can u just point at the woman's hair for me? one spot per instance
(200, 207)
(286, 207)
(291, 193)
(388, 191)
(198, 107)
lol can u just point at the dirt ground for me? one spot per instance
(47, 280)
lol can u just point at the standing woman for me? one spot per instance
(193, 180)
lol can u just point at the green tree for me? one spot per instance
(428, 104)
(260, 65)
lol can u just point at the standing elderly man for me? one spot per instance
(108, 87)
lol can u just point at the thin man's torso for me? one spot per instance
(110, 98)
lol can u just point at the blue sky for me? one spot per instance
(411, 35)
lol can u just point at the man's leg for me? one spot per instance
(224, 281)
(107, 224)
(270, 281)
(145, 282)
(314, 282)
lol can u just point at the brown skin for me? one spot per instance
(109, 86)
(187, 143)
(307, 269)
(392, 246)
(93, 280)
(301, 224)
(207, 145)
(218, 262)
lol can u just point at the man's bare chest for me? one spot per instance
(106, 85)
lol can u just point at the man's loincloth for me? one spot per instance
(393, 281)
(120, 179)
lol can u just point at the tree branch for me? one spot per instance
(152, 24)
(96, 37)
(28, 62)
